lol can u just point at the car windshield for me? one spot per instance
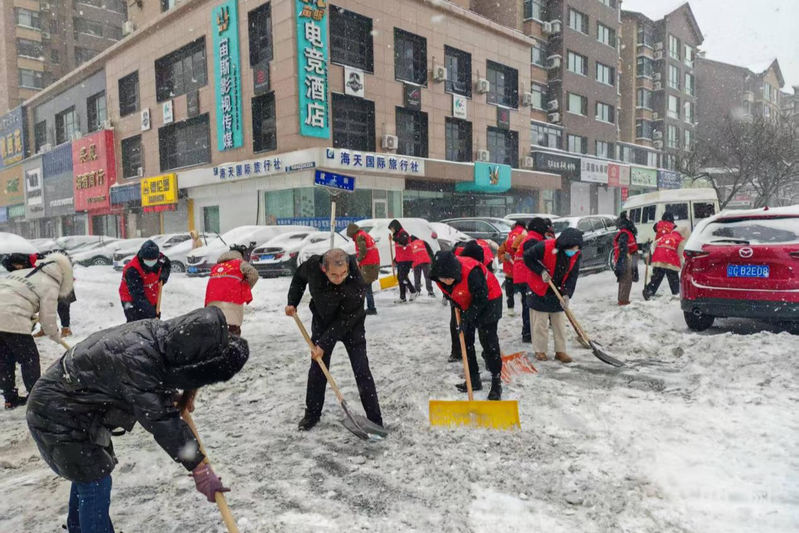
(752, 231)
(560, 225)
(502, 227)
(283, 239)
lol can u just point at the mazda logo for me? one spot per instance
(746, 253)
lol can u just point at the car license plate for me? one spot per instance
(266, 257)
(747, 271)
(191, 270)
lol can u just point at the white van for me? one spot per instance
(689, 207)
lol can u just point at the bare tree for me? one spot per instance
(779, 151)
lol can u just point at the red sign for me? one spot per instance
(94, 171)
(625, 193)
(613, 174)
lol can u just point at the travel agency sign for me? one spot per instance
(225, 21)
(312, 67)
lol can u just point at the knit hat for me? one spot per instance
(352, 229)
(668, 217)
(538, 225)
(445, 265)
(570, 238)
(473, 250)
(149, 250)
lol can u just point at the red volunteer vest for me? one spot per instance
(507, 266)
(535, 282)
(520, 271)
(419, 251)
(402, 253)
(372, 255)
(488, 254)
(663, 227)
(666, 249)
(150, 282)
(227, 284)
(460, 292)
(632, 246)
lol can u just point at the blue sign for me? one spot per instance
(320, 223)
(334, 181)
(488, 178)
(668, 179)
(312, 67)
(12, 137)
(4, 215)
(225, 24)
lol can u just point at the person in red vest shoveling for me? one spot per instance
(368, 257)
(141, 279)
(422, 256)
(669, 243)
(625, 257)
(230, 286)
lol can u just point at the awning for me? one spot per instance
(124, 194)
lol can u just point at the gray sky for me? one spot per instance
(743, 32)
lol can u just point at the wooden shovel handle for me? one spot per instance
(321, 363)
(158, 301)
(391, 253)
(572, 318)
(463, 355)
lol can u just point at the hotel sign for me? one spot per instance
(312, 67)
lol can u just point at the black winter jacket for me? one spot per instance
(125, 375)
(338, 309)
(482, 311)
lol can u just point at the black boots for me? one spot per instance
(14, 400)
(477, 384)
(308, 422)
(454, 358)
(495, 394)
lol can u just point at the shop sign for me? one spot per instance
(94, 170)
(593, 170)
(16, 211)
(225, 24)
(618, 175)
(459, 106)
(4, 214)
(488, 178)
(312, 67)
(160, 190)
(168, 111)
(643, 177)
(392, 164)
(320, 223)
(503, 118)
(12, 188)
(625, 193)
(668, 179)
(12, 137)
(412, 96)
(568, 167)
(145, 120)
(332, 180)
(33, 186)
(58, 185)
(353, 82)
(261, 78)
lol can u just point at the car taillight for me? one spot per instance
(293, 254)
(278, 256)
(795, 255)
(691, 254)
(254, 257)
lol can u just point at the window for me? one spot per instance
(28, 48)
(604, 149)
(609, 3)
(674, 47)
(648, 214)
(534, 9)
(113, 33)
(84, 55)
(181, 71)
(129, 94)
(704, 210)
(605, 74)
(767, 111)
(646, 35)
(184, 144)
(688, 140)
(577, 63)
(680, 211)
(651, 159)
(66, 124)
(538, 95)
(503, 145)
(259, 22)
(351, 41)
(410, 57)
(672, 136)
(578, 21)
(644, 99)
(625, 153)
(767, 90)
(643, 129)
(673, 110)
(545, 135)
(210, 217)
(87, 27)
(674, 77)
(39, 135)
(689, 56)
(353, 123)
(605, 35)
(635, 215)
(132, 165)
(578, 104)
(688, 110)
(605, 113)
(118, 6)
(458, 140)
(504, 83)
(577, 144)
(459, 71)
(412, 132)
(96, 111)
(644, 67)
(689, 84)
(31, 79)
(539, 54)
(264, 126)
(54, 55)
(26, 17)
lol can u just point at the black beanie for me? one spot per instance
(570, 238)
(474, 250)
(445, 265)
(538, 225)
(668, 217)
(149, 250)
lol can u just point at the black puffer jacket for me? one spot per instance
(125, 375)
(482, 311)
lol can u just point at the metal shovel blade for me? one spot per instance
(603, 356)
(360, 426)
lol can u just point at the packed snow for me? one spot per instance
(699, 432)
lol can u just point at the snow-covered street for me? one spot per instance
(699, 433)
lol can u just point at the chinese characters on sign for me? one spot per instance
(225, 21)
(12, 137)
(593, 170)
(94, 170)
(336, 158)
(161, 190)
(312, 67)
(258, 167)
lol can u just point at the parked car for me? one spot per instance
(73, 242)
(98, 254)
(448, 236)
(598, 233)
(178, 254)
(125, 254)
(689, 207)
(203, 258)
(318, 248)
(742, 264)
(527, 217)
(279, 256)
(45, 245)
(487, 228)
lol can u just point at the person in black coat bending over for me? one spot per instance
(466, 282)
(337, 294)
(120, 376)
(141, 279)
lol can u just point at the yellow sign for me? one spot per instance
(161, 190)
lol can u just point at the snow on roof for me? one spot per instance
(761, 67)
(653, 13)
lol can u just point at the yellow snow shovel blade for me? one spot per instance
(388, 282)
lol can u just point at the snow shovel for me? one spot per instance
(186, 402)
(390, 281)
(487, 414)
(359, 425)
(516, 364)
(580, 339)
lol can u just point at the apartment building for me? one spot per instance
(41, 41)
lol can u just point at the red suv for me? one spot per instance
(743, 265)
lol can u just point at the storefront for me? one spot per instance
(642, 180)
(560, 201)
(34, 198)
(12, 197)
(94, 170)
(159, 199)
(59, 195)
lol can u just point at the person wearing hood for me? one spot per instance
(506, 255)
(665, 261)
(23, 293)
(230, 287)
(536, 230)
(558, 261)
(368, 257)
(196, 241)
(21, 261)
(474, 290)
(116, 378)
(625, 257)
(403, 257)
(141, 282)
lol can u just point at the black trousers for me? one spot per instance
(657, 278)
(63, 313)
(16, 348)
(134, 314)
(355, 343)
(403, 273)
(489, 340)
(510, 291)
(523, 289)
(417, 278)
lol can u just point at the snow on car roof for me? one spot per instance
(669, 196)
(698, 239)
(11, 243)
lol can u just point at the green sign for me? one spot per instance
(225, 24)
(643, 177)
(488, 178)
(312, 67)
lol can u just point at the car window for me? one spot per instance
(599, 224)
(560, 225)
(704, 210)
(463, 225)
(502, 227)
(585, 225)
(484, 227)
(680, 211)
(635, 215)
(320, 238)
(648, 214)
(783, 230)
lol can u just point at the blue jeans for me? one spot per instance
(88, 507)
(370, 297)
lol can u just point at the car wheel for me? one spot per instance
(697, 321)
(100, 261)
(178, 267)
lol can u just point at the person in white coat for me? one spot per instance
(24, 293)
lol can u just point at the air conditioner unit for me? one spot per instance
(546, 27)
(527, 162)
(483, 86)
(553, 105)
(655, 116)
(657, 135)
(45, 148)
(656, 76)
(659, 46)
(658, 145)
(108, 125)
(46, 35)
(439, 73)
(128, 28)
(389, 142)
(483, 155)
(554, 61)
(658, 86)
(554, 117)
(556, 26)
(527, 99)
(658, 55)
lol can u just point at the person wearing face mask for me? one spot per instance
(556, 260)
(141, 279)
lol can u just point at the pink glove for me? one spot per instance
(207, 483)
